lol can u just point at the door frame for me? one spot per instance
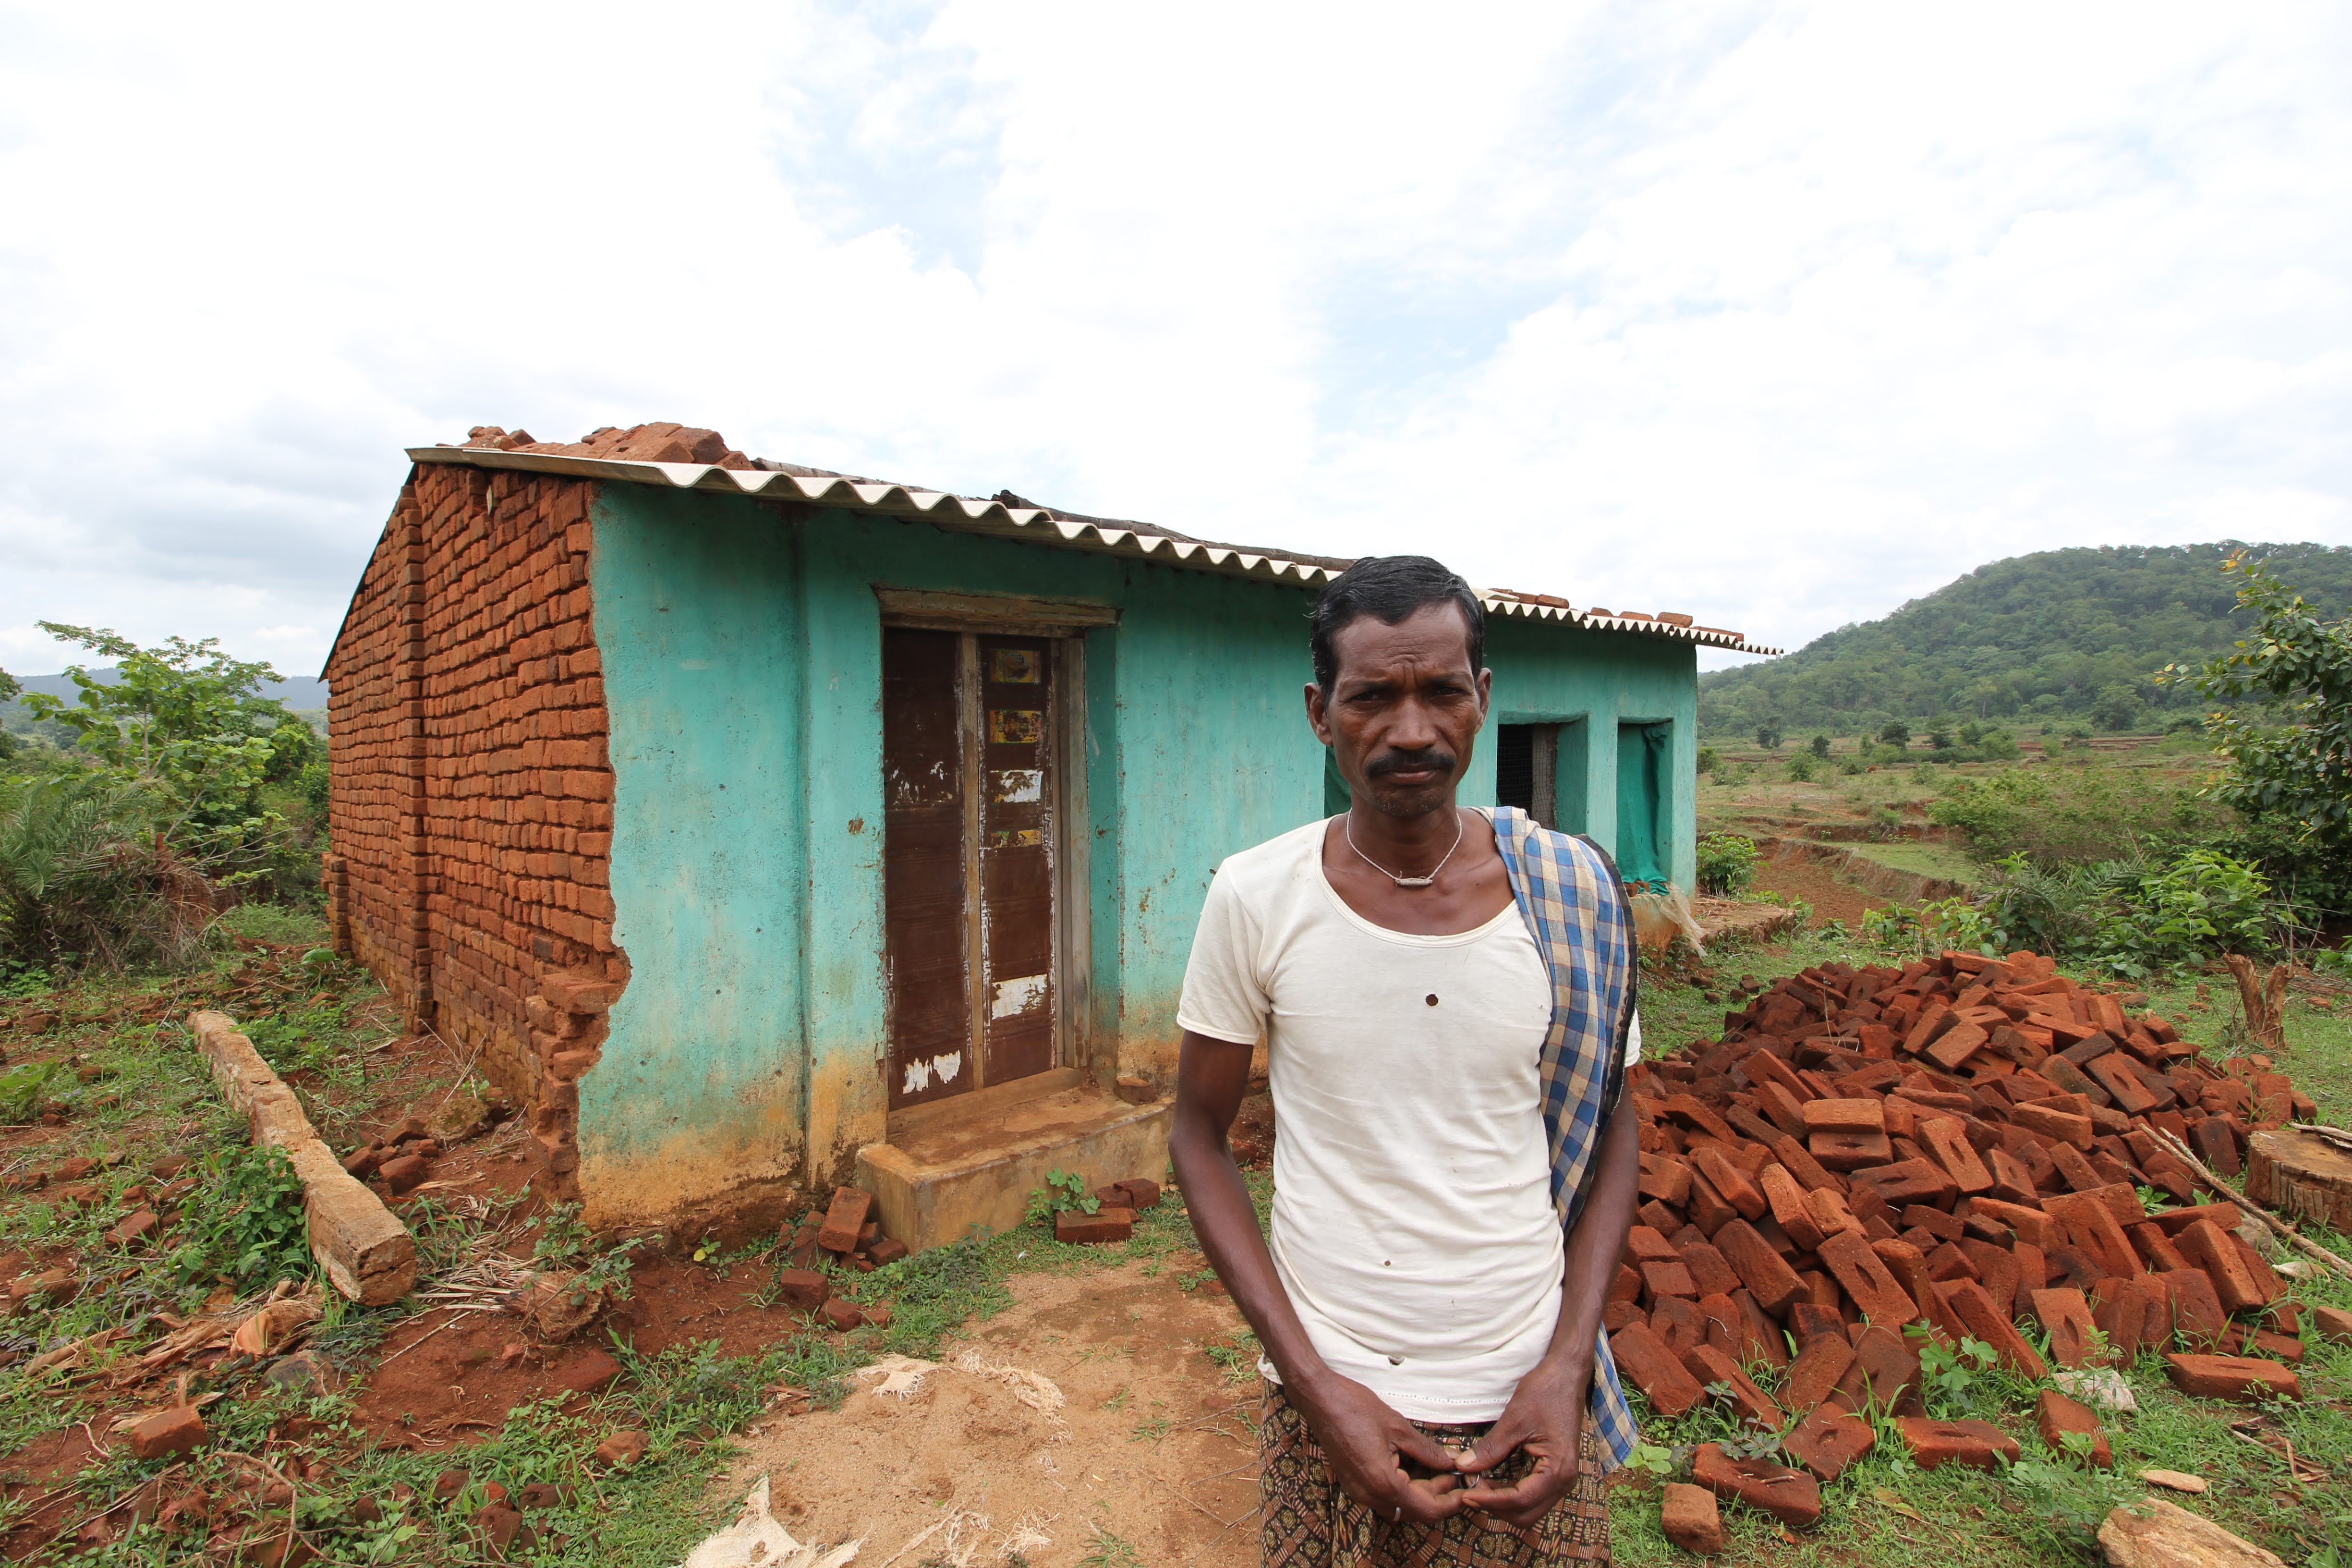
(1063, 624)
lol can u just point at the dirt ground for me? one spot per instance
(1152, 1442)
(1832, 899)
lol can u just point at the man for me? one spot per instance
(1446, 1000)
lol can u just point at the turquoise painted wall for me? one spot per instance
(742, 657)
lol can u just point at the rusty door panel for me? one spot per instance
(925, 848)
(1016, 855)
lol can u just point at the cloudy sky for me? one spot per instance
(1776, 314)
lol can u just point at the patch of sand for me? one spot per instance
(1151, 1441)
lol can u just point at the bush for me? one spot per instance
(2070, 816)
(1801, 768)
(88, 878)
(2203, 902)
(1707, 759)
(1727, 864)
(244, 1223)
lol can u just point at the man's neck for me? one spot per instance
(1414, 841)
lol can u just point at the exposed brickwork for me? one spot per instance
(472, 803)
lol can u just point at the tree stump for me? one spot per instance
(2295, 1173)
(2264, 1001)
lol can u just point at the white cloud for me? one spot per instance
(1780, 315)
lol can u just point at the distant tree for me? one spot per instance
(2118, 706)
(1939, 739)
(184, 719)
(8, 687)
(1820, 746)
(1707, 759)
(1767, 735)
(2291, 756)
(1896, 733)
(1971, 732)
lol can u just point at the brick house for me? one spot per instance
(763, 828)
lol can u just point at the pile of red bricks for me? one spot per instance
(1114, 1209)
(1872, 1156)
(847, 1232)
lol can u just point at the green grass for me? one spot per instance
(1925, 858)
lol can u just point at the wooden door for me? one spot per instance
(969, 859)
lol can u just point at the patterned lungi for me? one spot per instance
(1306, 1520)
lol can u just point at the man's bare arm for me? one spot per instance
(1361, 1436)
(1547, 1412)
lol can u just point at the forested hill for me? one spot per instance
(2065, 635)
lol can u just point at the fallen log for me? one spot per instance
(367, 1254)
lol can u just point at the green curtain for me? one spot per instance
(1641, 753)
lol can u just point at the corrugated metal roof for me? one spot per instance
(1038, 525)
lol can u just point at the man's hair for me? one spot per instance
(1392, 587)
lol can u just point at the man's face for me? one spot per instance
(1403, 709)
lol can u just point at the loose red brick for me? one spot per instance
(1786, 1195)
(1946, 1143)
(1789, 1496)
(1920, 1181)
(136, 1228)
(844, 1217)
(1645, 1362)
(2059, 1126)
(179, 1430)
(1691, 1518)
(1811, 1320)
(1827, 1441)
(1141, 1193)
(1844, 1150)
(1813, 1376)
(2208, 1249)
(2242, 1379)
(840, 1316)
(1866, 1280)
(803, 1289)
(2196, 1315)
(1737, 1188)
(2066, 1314)
(1845, 1116)
(1663, 1280)
(1709, 1270)
(1984, 1321)
(620, 1450)
(1761, 1268)
(1978, 1445)
(406, 1173)
(1885, 1370)
(889, 1249)
(2055, 1417)
(591, 1372)
(1712, 1368)
(1678, 1323)
(2333, 1323)
(1103, 1224)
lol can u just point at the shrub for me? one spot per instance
(1707, 759)
(2070, 816)
(1801, 768)
(1820, 746)
(89, 879)
(2202, 902)
(1727, 864)
(243, 1224)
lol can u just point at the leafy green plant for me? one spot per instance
(21, 1089)
(565, 1242)
(1949, 1377)
(2203, 902)
(89, 877)
(1064, 1192)
(1727, 863)
(1801, 768)
(1708, 757)
(243, 1224)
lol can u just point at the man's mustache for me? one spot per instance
(1433, 760)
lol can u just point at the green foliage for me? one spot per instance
(2070, 816)
(22, 1088)
(1896, 733)
(1767, 735)
(2290, 745)
(1820, 746)
(243, 1225)
(1949, 1378)
(1064, 1190)
(183, 718)
(1928, 928)
(87, 877)
(1801, 768)
(565, 1242)
(1727, 864)
(2200, 903)
(2040, 637)
(1707, 759)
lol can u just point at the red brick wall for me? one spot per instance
(472, 803)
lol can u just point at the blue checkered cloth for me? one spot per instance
(1575, 904)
